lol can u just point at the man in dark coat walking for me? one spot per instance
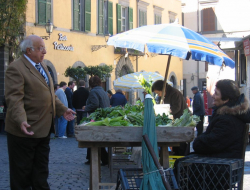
(69, 94)
(79, 100)
(198, 108)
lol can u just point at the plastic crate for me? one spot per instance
(131, 178)
(208, 173)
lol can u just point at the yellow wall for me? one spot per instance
(82, 41)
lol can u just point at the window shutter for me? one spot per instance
(110, 17)
(140, 18)
(76, 15)
(144, 18)
(208, 19)
(119, 20)
(130, 13)
(88, 15)
(100, 16)
(48, 11)
(41, 12)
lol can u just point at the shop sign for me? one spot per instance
(246, 45)
(61, 46)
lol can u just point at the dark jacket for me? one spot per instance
(224, 135)
(198, 104)
(80, 97)
(98, 98)
(118, 99)
(176, 100)
(69, 95)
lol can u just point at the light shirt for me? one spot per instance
(34, 64)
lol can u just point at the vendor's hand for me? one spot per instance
(24, 126)
(83, 107)
(68, 115)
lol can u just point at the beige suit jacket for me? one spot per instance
(30, 99)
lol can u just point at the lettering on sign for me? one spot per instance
(61, 46)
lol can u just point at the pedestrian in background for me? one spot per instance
(98, 98)
(61, 122)
(69, 95)
(188, 101)
(110, 94)
(198, 108)
(32, 105)
(79, 100)
(118, 99)
(56, 87)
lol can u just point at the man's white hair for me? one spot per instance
(27, 43)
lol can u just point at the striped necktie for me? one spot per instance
(39, 68)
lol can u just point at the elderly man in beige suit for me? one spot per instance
(32, 105)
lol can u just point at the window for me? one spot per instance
(105, 17)
(82, 15)
(172, 16)
(142, 18)
(44, 11)
(158, 14)
(243, 73)
(124, 18)
(208, 19)
(157, 19)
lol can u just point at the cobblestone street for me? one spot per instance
(67, 168)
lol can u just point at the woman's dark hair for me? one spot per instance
(228, 89)
(110, 92)
(95, 81)
(55, 86)
(158, 85)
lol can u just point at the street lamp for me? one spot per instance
(49, 30)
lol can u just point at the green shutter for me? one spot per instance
(140, 18)
(100, 16)
(130, 13)
(144, 18)
(41, 12)
(76, 15)
(48, 11)
(110, 17)
(88, 15)
(119, 19)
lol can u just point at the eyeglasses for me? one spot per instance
(41, 49)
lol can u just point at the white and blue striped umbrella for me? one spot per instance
(171, 39)
(129, 82)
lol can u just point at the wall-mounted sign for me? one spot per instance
(246, 45)
(61, 46)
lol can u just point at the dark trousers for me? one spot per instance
(28, 162)
(80, 115)
(199, 125)
(104, 155)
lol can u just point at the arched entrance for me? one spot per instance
(124, 66)
(52, 71)
(79, 64)
(173, 79)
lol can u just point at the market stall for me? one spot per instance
(124, 136)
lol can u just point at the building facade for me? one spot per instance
(82, 28)
(223, 22)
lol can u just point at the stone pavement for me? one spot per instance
(67, 168)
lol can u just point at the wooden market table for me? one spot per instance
(95, 137)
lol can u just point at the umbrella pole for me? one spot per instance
(157, 164)
(165, 80)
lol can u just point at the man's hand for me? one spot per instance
(68, 115)
(24, 126)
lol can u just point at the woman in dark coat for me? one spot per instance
(224, 135)
(98, 98)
